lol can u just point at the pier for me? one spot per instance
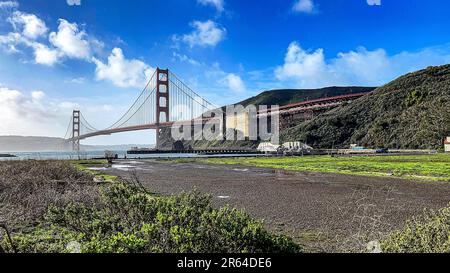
(195, 151)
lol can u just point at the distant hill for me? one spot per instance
(413, 111)
(41, 144)
(287, 96)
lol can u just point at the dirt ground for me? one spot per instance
(324, 212)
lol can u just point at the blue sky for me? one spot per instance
(56, 55)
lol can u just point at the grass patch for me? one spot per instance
(84, 165)
(89, 162)
(426, 167)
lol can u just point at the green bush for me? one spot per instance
(129, 220)
(427, 234)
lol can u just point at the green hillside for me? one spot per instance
(413, 111)
(287, 96)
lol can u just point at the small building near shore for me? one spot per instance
(447, 145)
(296, 146)
(355, 147)
(268, 147)
(293, 145)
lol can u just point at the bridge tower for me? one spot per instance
(76, 130)
(162, 101)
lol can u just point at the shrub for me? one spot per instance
(27, 188)
(427, 234)
(129, 220)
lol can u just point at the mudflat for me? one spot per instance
(316, 209)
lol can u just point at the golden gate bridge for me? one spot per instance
(166, 101)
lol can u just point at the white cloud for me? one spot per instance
(39, 115)
(28, 28)
(10, 40)
(374, 2)
(9, 4)
(185, 58)
(362, 66)
(234, 83)
(44, 55)
(37, 95)
(67, 105)
(122, 72)
(32, 27)
(305, 6)
(71, 41)
(310, 69)
(74, 2)
(218, 4)
(107, 108)
(206, 33)
(220, 86)
(29, 115)
(301, 65)
(21, 114)
(79, 80)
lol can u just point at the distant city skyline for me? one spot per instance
(59, 55)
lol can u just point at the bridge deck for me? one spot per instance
(286, 109)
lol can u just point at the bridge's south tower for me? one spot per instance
(162, 101)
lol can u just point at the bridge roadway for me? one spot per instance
(283, 110)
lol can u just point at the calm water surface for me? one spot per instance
(97, 154)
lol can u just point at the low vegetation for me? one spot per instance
(28, 188)
(54, 207)
(429, 233)
(120, 217)
(426, 167)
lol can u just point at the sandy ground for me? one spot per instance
(323, 211)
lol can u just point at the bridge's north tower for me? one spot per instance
(76, 130)
(162, 101)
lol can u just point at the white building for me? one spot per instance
(268, 147)
(296, 146)
(447, 145)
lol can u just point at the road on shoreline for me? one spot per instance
(310, 207)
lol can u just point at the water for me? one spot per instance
(54, 155)
(81, 155)
(99, 154)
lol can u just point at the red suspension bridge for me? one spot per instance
(166, 100)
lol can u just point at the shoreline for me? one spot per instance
(7, 156)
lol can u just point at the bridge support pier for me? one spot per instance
(76, 130)
(158, 137)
